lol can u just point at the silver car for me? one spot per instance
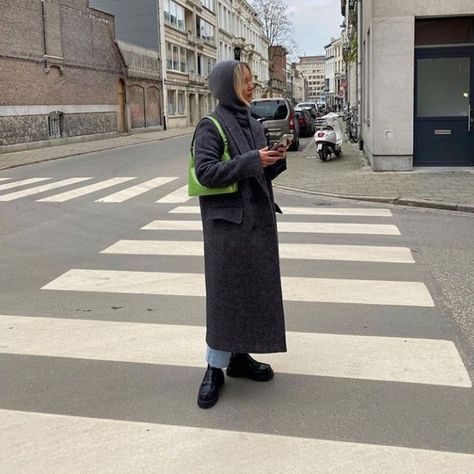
(278, 117)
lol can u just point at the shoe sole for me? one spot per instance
(207, 403)
(257, 378)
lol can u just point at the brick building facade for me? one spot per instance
(62, 74)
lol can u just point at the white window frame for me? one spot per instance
(209, 4)
(174, 15)
(178, 63)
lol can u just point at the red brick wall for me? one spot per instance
(278, 61)
(21, 29)
(25, 83)
(87, 74)
(92, 64)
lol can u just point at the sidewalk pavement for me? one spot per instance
(351, 177)
(348, 177)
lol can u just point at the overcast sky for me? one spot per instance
(315, 21)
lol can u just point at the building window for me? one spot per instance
(174, 14)
(205, 64)
(209, 4)
(54, 124)
(181, 103)
(204, 29)
(175, 58)
(171, 102)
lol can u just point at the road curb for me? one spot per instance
(449, 206)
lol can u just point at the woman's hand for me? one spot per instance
(269, 157)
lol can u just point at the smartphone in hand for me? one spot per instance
(285, 141)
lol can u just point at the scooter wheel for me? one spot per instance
(323, 155)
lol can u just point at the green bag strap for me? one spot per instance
(221, 133)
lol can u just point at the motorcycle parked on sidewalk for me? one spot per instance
(329, 137)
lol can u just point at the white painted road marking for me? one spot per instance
(134, 191)
(23, 182)
(35, 442)
(67, 196)
(293, 227)
(356, 253)
(311, 211)
(322, 290)
(180, 195)
(395, 359)
(41, 189)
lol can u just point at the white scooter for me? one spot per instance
(328, 137)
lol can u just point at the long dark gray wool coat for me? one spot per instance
(244, 298)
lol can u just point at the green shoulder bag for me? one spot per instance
(195, 188)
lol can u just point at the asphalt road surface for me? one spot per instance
(102, 318)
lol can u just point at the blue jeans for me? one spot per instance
(216, 358)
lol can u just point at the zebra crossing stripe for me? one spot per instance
(41, 189)
(36, 441)
(333, 211)
(310, 211)
(394, 359)
(67, 196)
(317, 290)
(180, 195)
(292, 227)
(362, 253)
(134, 191)
(23, 182)
(4, 179)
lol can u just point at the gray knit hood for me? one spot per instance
(221, 85)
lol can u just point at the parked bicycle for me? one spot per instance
(351, 126)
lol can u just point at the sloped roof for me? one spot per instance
(140, 62)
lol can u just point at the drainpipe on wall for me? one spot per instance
(162, 49)
(359, 73)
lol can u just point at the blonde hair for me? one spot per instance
(239, 81)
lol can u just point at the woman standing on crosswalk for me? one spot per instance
(243, 284)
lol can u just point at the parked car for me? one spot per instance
(305, 122)
(311, 106)
(278, 117)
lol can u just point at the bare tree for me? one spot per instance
(277, 25)
(278, 29)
